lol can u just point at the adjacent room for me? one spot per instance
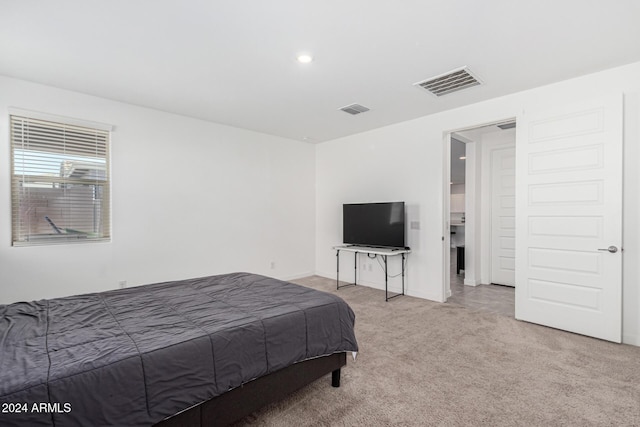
(319, 213)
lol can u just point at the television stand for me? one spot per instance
(370, 250)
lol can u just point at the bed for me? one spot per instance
(193, 352)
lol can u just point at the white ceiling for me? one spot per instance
(233, 62)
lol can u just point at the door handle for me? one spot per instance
(612, 249)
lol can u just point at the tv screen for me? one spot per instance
(374, 224)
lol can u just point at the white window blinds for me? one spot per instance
(60, 182)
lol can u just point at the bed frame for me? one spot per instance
(241, 401)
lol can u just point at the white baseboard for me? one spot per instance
(325, 274)
(297, 276)
(471, 282)
(631, 339)
(395, 288)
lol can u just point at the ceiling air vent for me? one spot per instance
(452, 81)
(507, 125)
(354, 109)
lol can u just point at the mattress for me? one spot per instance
(132, 357)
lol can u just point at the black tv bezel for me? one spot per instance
(374, 245)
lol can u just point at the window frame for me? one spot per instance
(98, 163)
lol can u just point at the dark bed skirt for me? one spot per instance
(242, 401)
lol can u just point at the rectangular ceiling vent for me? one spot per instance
(354, 109)
(507, 125)
(452, 81)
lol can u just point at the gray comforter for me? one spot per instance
(134, 356)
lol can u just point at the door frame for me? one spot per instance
(446, 193)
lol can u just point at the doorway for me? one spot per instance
(481, 217)
(568, 238)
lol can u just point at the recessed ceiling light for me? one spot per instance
(304, 58)
(463, 157)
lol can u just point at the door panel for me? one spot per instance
(569, 206)
(503, 203)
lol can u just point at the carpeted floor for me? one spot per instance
(423, 363)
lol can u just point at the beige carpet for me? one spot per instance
(424, 363)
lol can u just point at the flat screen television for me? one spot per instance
(373, 224)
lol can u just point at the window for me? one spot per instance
(60, 181)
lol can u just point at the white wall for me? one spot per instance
(388, 164)
(457, 189)
(405, 162)
(472, 201)
(189, 198)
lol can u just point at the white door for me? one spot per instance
(503, 216)
(568, 216)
